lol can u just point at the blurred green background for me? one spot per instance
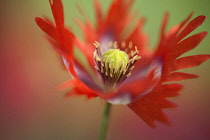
(32, 109)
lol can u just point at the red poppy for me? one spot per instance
(114, 70)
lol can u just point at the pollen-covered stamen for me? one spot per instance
(97, 45)
(114, 65)
(128, 48)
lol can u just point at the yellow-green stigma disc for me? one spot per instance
(115, 59)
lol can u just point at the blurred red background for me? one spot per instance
(32, 109)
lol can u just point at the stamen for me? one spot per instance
(132, 68)
(130, 45)
(115, 65)
(132, 53)
(126, 50)
(97, 68)
(110, 44)
(97, 43)
(106, 73)
(136, 50)
(129, 74)
(115, 45)
(123, 44)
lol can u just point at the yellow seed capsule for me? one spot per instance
(114, 59)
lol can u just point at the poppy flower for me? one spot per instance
(119, 66)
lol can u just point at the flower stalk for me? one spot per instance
(104, 122)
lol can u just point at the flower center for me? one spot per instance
(115, 60)
(115, 65)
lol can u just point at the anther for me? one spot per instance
(115, 45)
(132, 68)
(97, 43)
(130, 45)
(110, 44)
(129, 74)
(132, 53)
(123, 44)
(106, 73)
(97, 68)
(136, 50)
(126, 50)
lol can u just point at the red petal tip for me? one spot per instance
(201, 18)
(204, 17)
(203, 34)
(37, 19)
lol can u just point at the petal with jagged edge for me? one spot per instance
(149, 106)
(62, 40)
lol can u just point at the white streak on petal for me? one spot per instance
(157, 75)
(122, 99)
(66, 64)
(65, 61)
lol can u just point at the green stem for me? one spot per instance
(104, 123)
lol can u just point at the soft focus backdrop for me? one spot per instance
(32, 109)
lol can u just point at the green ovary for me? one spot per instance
(115, 58)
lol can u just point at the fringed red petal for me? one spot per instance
(149, 107)
(173, 89)
(57, 10)
(119, 8)
(59, 33)
(178, 76)
(65, 36)
(164, 24)
(188, 62)
(62, 40)
(47, 28)
(184, 22)
(191, 27)
(187, 44)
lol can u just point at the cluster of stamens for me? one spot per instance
(115, 65)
